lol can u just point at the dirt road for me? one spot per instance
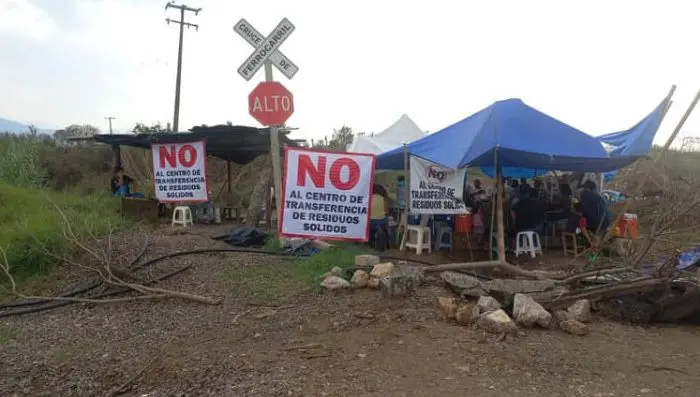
(322, 344)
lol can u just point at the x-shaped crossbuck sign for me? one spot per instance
(266, 48)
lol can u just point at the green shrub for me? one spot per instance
(30, 224)
(21, 160)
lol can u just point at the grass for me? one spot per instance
(273, 283)
(32, 225)
(7, 334)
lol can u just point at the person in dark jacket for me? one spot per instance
(595, 208)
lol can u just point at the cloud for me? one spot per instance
(22, 18)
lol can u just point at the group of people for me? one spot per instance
(530, 207)
(526, 207)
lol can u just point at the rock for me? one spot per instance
(562, 315)
(398, 285)
(381, 269)
(321, 245)
(359, 279)
(467, 314)
(574, 327)
(527, 312)
(581, 311)
(463, 284)
(373, 283)
(497, 322)
(334, 282)
(487, 304)
(501, 289)
(337, 271)
(447, 306)
(366, 260)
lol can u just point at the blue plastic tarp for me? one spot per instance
(515, 134)
(635, 141)
(514, 172)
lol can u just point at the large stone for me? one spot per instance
(527, 312)
(487, 304)
(398, 285)
(359, 279)
(467, 314)
(366, 260)
(501, 289)
(382, 270)
(562, 315)
(373, 283)
(581, 311)
(497, 322)
(334, 282)
(447, 306)
(574, 327)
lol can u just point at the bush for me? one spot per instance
(21, 160)
(29, 219)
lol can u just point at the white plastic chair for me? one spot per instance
(182, 215)
(528, 242)
(418, 236)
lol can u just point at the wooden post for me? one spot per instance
(275, 154)
(228, 176)
(117, 150)
(499, 216)
(407, 181)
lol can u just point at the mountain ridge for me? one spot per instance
(15, 127)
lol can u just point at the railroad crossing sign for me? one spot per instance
(266, 48)
(270, 103)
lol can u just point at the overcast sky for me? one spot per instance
(598, 65)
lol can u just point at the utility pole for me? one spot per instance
(110, 118)
(182, 23)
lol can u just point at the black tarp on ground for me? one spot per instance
(239, 144)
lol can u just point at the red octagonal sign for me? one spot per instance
(270, 103)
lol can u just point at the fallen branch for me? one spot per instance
(639, 285)
(504, 266)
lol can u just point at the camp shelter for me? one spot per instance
(404, 130)
(511, 134)
(239, 144)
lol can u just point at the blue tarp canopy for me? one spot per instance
(637, 140)
(520, 135)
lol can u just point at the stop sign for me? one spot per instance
(270, 103)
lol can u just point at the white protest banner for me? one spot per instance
(326, 195)
(180, 172)
(436, 189)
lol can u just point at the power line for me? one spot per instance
(182, 23)
(110, 118)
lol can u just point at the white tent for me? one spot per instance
(403, 130)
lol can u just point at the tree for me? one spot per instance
(339, 141)
(341, 138)
(156, 128)
(75, 131)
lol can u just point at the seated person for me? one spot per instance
(529, 212)
(379, 211)
(121, 184)
(595, 208)
(576, 221)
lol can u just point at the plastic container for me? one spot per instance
(464, 223)
(627, 227)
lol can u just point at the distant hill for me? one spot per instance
(18, 128)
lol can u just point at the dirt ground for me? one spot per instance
(311, 343)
